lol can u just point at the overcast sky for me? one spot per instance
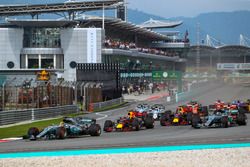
(188, 8)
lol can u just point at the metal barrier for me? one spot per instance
(100, 105)
(17, 116)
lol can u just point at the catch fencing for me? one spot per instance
(27, 94)
(16, 116)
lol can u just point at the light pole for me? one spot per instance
(103, 17)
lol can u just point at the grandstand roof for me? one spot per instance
(112, 24)
(27, 9)
(160, 24)
(41, 23)
(222, 48)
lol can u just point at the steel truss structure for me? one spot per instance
(33, 10)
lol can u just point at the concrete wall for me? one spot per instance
(76, 43)
(11, 42)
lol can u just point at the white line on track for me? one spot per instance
(101, 114)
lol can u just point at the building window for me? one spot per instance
(47, 61)
(33, 63)
(41, 38)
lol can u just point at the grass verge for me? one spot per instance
(21, 130)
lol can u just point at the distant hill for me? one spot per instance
(224, 26)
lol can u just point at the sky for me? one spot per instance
(187, 8)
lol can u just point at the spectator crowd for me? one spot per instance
(117, 44)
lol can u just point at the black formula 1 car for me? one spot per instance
(70, 127)
(220, 118)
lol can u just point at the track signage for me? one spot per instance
(166, 75)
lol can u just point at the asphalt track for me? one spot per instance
(159, 136)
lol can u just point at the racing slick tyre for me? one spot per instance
(149, 122)
(32, 133)
(189, 118)
(242, 110)
(195, 121)
(169, 112)
(165, 118)
(136, 125)
(61, 133)
(108, 126)
(241, 119)
(95, 130)
(204, 110)
(224, 122)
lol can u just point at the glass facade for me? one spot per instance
(132, 63)
(48, 61)
(33, 61)
(41, 38)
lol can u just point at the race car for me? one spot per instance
(156, 111)
(70, 127)
(220, 118)
(129, 123)
(183, 114)
(142, 108)
(177, 118)
(243, 105)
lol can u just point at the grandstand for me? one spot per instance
(211, 56)
(58, 45)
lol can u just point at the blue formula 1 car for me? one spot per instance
(70, 127)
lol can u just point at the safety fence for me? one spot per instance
(16, 116)
(27, 94)
(102, 105)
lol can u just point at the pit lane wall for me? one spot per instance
(197, 89)
(17, 116)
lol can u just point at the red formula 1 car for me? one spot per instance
(183, 114)
(178, 118)
(130, 123)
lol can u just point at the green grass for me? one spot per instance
(21, 130)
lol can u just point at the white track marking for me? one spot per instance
(101, 114)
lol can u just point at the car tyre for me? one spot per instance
(32, 133)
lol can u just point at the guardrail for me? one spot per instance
(16, 116)
(101, 105)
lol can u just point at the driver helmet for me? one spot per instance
(61, 124)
